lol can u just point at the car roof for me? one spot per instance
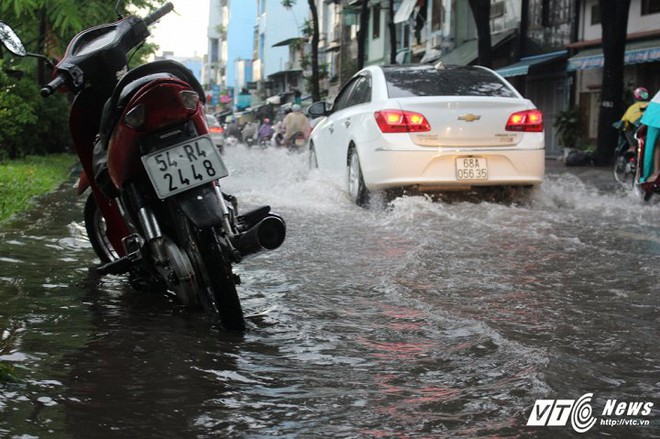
(378, 74)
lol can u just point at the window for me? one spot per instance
(496, 10)
(452, 81)
(375, 29)
(361, 92)
(650, 7)
(215, 51)
(341, 101)
(595, 14)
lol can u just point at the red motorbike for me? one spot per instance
(156, 210)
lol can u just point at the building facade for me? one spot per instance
(642, 57)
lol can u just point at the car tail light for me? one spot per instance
(529, 121)
(218, 130)
(397, 121)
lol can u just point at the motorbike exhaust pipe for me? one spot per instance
(267, 234)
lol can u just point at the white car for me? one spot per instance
(428, 129)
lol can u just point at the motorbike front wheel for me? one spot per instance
(96, 231)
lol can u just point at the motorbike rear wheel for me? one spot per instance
(624, 170)
(96, 231)
(215, 279)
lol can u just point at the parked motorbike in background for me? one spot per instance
(156, 210)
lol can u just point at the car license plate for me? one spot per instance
(184, 166)
(471, 168)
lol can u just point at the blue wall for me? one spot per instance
(240, 35)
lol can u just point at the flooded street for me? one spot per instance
(424, 319)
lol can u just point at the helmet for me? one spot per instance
(641, 94)
(266, 120)
(296, 107)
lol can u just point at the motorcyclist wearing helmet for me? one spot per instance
(266, 131)
(630, 122)
(295, 122)
(634, 112)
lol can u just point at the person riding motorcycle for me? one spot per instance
(249, 132)
(634, 112)
(266, 131)
(651, 161)
(295, 122)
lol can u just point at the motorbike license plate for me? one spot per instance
(184, 166)
(471, 168)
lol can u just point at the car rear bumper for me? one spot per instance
(435, 169)
(218, 139)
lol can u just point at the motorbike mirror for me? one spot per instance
(11, 41)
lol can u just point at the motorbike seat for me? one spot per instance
(128, 85)
(133, 81)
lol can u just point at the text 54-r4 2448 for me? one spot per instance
(184, 166)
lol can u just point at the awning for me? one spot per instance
(468, 52)
(287, 42)
(405, 9)
(522, 66)
(637, 52)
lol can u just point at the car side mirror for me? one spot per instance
(318, 109)
(11, 41)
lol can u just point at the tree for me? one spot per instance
(392, 30)
(481, 13)
(45, 26)
(316, 86)
(614, 22)
(362, 34)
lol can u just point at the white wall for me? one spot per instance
(636, 21)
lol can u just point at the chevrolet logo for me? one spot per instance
(469, 117)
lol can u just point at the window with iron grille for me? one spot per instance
(650, 7)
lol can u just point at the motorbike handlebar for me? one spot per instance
(159, 13)
(53, 85)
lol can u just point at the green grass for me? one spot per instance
(8, 373)
(22, 180)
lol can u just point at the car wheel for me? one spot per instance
(313, 161)
(356, 188)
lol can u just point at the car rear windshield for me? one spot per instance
(403, 82)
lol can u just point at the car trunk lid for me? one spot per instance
(466, 121)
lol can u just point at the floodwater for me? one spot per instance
(420, 320)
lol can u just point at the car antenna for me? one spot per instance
(439, 65)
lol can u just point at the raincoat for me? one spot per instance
(651, 119)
